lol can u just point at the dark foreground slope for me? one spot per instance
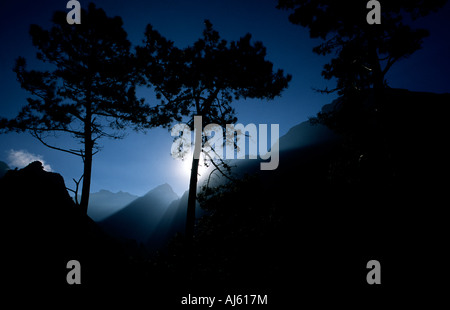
(302, 234)
(42, 230)
(306, 231)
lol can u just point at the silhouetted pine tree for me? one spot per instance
(87, 93)
(203, 80)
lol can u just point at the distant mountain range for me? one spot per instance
(141, 217)
(105, 203)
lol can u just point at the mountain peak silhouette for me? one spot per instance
(138, 219)
(163, 188)
(104, 203)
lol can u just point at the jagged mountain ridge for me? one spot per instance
(139, 218)
(104, 203)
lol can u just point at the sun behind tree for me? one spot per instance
(203, 80)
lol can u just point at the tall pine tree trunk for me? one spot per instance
(88, 147)
(190, 216)
(85, 190)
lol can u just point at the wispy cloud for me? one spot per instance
(21, 158)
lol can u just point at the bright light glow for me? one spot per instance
(184, 166)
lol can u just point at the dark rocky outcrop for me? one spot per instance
(42, 229)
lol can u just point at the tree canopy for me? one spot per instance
(203, 79)
(363, 53)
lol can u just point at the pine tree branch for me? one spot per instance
(217, 167)
(37, 136)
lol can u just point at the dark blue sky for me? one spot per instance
(142, 161)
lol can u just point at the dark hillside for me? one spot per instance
(331, 207)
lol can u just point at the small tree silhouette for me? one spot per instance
(89, 95)
(203, 80)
